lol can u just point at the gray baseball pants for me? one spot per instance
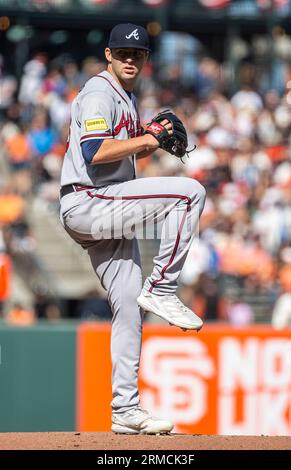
(106, 222)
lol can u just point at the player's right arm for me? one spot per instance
(97, 137)
(112, 150)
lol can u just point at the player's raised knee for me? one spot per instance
(201, 193)
(195, 189)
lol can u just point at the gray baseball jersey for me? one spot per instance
(102, 110)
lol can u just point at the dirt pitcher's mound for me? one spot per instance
(110, 441)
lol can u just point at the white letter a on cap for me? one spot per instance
(134, 34)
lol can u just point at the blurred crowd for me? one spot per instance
(241, 265)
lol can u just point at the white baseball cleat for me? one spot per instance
(139, 421)
(171, 309)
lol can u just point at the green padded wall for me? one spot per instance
(37, 378)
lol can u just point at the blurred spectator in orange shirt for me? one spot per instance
(18, 150)
(11, 207)
(20, 316)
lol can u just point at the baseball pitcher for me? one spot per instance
(103, 204)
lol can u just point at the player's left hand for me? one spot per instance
(170, 132)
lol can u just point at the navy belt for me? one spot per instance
(67, 189)
(71, 188)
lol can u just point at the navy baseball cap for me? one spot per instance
(129, 35)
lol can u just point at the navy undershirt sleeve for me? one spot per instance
(89, 148)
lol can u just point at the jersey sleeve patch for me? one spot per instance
(97, 124)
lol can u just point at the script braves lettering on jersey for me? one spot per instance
(134, 34)
(128, 123)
